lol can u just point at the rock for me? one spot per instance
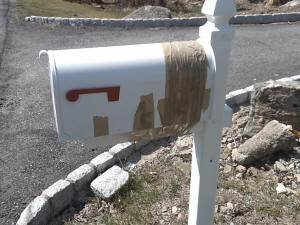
(297, 164)
(183, 144)
(227, 208)
(298, 178)
(224, 140)
(298, 171)
(252, 171)
(228, 160)
(180, 216)
(293, 184)
(230, 146)
(292, 3)
(239, 176)
(291, 166)
(273, 100)
(216, 209)
(241, 169)
(174, 210)
(227, 169)
(109, 182)
(149, 11)
(279, 167)
(164, 209)
(273, 137)
(290, 191)
(283, 161)
(229, 140)
(280, 188)
(130, 166)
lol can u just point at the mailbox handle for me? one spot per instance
(113, 93)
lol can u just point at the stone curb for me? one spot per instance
(60, 195)
(166, 22)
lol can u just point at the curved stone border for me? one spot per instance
(166, 22)
(60, 195)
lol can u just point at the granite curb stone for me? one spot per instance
(38, 211)
(103, 161)
(109, 182)
(82, 176)
(165, 22)
(60, 195)
(122, 151)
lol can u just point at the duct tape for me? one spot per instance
(186, 96)
(100, 126)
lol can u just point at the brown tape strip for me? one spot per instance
(100, 126)
(185, 94)
(144, 115)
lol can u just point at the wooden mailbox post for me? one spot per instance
(138, 92)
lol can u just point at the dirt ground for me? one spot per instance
(158, 191)
(193, 8)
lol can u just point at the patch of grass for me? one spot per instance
(227, 183)
(132, 202)
(271, 203)
(174, 188)
(185, 157)
(61, 8)
(219, 218)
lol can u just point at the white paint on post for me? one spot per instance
(216, 36)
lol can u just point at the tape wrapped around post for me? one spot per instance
(186, 96)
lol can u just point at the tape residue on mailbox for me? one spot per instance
(100, 126)
(186, 95)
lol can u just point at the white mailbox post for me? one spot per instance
(114, 94)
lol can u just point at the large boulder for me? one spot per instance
(149, 11)
(292, 3)
(274, 100)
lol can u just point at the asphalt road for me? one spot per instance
(31, 158)
(4, 5)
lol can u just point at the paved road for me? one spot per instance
(30, 156)
(4, 5)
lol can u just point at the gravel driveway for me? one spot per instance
(31, 158)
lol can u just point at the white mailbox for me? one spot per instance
(137, 91)
(115, 94)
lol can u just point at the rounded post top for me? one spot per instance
(221, 8)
